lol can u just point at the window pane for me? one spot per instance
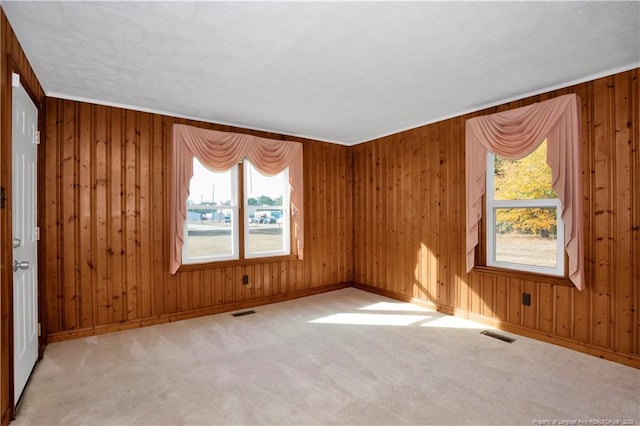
(267, 213)
(209, 232)
(527, 236)
(212, 215)
(525, 179)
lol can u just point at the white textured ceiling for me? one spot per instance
(333, 71)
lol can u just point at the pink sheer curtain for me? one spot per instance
(220, 151)
(515, 134)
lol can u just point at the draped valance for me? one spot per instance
(219, 151)
(515, 134)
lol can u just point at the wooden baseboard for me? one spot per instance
(127, 325)
(396, 296)
(6, 417)
(382, 292)
(631, 360)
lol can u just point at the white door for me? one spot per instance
(25, 275)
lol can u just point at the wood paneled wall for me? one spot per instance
(106, 229)
(12, 59)
(409, 221)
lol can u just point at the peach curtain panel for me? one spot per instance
(219, 151)
(515, 134)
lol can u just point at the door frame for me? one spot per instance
(6, 248)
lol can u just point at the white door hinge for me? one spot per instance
(37, 233)
(15, 79)
(39, 329)
(38, 137)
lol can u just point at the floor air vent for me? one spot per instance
(498, 336)
(243, 313)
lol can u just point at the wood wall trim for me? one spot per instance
(185, 267)
(522, 275)
(611, 355)
(67, 335)
(6, 417)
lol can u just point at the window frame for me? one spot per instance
(241, 259)
(491, 205)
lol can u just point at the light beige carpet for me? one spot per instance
(345, 357)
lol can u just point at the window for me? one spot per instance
(211, 228)
(266, 217)
(524, 228)
(216, 221)
(515, 133)
(222, 218)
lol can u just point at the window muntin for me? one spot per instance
(266, 213)
(212, 225)
(524, 228)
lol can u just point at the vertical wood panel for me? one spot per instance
(373, 254)
(417, 218)
(602, 214)
(130, 152)
(531, 314)
(545, 308)
(144, 215)
(348, 215)
(52, 216)
(405, 234)
(581, 301)
(563, 319)
(301, 283)
(502, 299)
(218, 285)
(357, 215)
(450, 164)
(393, 221)
(116, 231)
(69, 217)
(320, 224)
(443, 237)
(158, 199)
(515, 304)
(85, 210)
(621, 304)
(434, 231)
(333, 222)
(635, 210)
(487, 299)
(207, 287)
(101, 184)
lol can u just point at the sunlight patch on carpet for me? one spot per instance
(398, 306)
(370, 319)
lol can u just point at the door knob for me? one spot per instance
(20, 265)
(16, 242)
